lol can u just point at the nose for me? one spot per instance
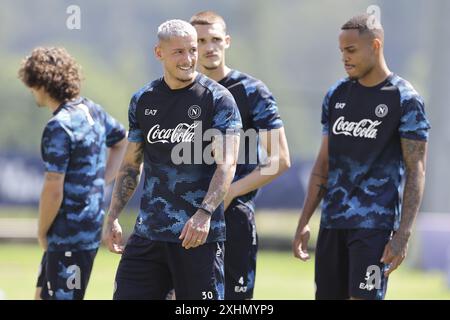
(190, 57)
(209, 47)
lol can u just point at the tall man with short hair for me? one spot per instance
(374, 134)
(263, 127)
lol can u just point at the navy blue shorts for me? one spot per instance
(348, 264)
(64, 275)
(241, 248)
(148, 270)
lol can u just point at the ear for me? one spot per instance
(377, 44)
(227, 41)
(158, 52)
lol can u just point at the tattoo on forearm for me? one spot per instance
(322, 184)
(414, 154)
(218, 189)
(413, 150)
(126, 183)
(139, 154)
(400, 244)
(222, 178)
(320, 176)
(322, 190)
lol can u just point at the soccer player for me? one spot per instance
(77, 165)
(260, 117)
(178, 237)
(374, 134)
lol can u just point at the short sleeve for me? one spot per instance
(265, 114)
(325, 118)
(55, 147)
(115, 131)
(135, 133)
(226, 118)
(413, 122)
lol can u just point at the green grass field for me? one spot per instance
(279, 276)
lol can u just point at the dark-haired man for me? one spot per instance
(264, 130)
(374, 134)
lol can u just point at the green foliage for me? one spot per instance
(291, 45)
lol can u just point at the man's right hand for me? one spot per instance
(112, 235)
(300, 243)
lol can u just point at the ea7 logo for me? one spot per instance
(150, 112)
(339, 105)
(373, 279)
(240, 288)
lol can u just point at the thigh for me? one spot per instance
(67, 274)
(241, 249)
(367, 280)
(197, 273)
(143, 273)
(331, 265)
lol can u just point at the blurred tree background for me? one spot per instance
(291, 45)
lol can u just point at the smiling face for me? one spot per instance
(212, 43)
(359, 52)
(178, 55)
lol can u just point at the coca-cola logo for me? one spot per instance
(183, 132)
(365, 128)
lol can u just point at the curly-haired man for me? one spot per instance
(77, 165)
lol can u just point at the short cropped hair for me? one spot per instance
(208, 18)
(54, 70)
(365, 24)
(175, 28)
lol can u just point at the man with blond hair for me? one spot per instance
(178, 238)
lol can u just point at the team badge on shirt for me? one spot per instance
(194, 112)
(381, 110)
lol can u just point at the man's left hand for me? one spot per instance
(395, 252)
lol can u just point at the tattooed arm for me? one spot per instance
(414, 157)
(316, 191)
(196, 229)
(126, 183)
